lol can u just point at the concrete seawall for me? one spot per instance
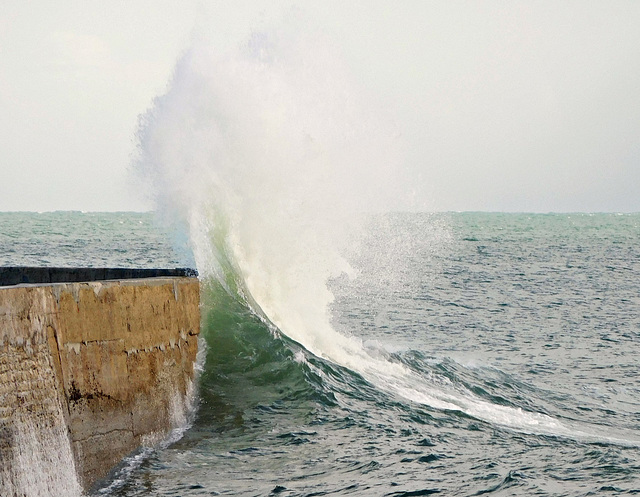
(89, 372)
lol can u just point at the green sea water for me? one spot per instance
(484, 354)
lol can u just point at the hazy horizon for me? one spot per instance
(541, 213)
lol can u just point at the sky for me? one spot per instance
(497, 105)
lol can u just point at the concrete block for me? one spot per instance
(100, 364)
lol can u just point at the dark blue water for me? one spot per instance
(489, 354)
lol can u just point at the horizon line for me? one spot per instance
(436, 211)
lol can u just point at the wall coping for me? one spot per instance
(33, 275)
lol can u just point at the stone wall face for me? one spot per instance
(109, 364)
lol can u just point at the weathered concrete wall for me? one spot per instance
(108, 365)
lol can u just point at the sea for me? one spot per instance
(453, 354)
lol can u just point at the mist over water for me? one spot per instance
(273, 161)
(270, 160)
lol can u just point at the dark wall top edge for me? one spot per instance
(16, 275)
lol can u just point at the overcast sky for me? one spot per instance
(497, 105)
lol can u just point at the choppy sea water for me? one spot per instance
(484, 354)
(86, 239)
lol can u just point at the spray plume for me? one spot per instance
(267, 157)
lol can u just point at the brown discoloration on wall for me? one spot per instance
(116, 357)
